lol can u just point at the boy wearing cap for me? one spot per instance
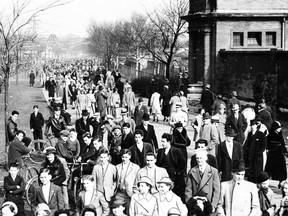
(14, 186)
(127, 119)
(238, 197)
(166, 199)
(143, 203)
(140, 109)
(62, 146)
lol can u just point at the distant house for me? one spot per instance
(234, 42)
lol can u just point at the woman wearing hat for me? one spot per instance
(276, 152)
(166, 199)
(53, 163)
(143, 203)
(42, 209)
(9, 209)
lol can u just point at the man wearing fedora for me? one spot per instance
(148, 130)
(203, 179)
(237, 122)
(139, 111)
(127, 119)
(209, 133)
(238, 196)
(229, 153)
(82, 126)
(96, 123)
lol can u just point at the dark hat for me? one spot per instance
(100, 88)
(215, 118)
(124, 111)
(115, 203)
(57, 108)
(230, 132)
(262, 177)
(253, 121)
(202, 141)
(275, 125)
(174, 211)
(62, 211)
(206, 115)
(64, 133)
(89, 208)
(49, 150)
(258, 118)
(146, 117)
(85, 113)
(178, 124)
(116, 127)
(239, 166)
(140, 100)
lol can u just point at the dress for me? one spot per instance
(275, 156)
(155, 103)
(165, 97)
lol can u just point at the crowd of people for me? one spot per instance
(126, 171)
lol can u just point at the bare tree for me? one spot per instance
(15, 31)
(161, 33)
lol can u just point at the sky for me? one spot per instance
(75, 17)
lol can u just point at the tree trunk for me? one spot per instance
(17, 69)
(6, 98)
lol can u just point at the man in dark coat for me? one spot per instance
(237, 122)
(32, 78)
(82, 126)
(127, 137)
(56, 122)
(229, 154)
(140, 149)
(174, 162)
(36, 123)
(207, 99)
(265, 115)
(253, 149)
(96, 123)
(148, 131)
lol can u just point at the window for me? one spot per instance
(237, 38)
(270, 38)
(254, 39)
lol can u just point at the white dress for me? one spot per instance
(155, 103)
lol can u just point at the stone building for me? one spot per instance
(234, 42)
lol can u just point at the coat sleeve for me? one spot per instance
(214, 138)
(154, 139)
(188, 189)
(59, 179)
(255, 205)
(60, 199)
(216, 189)
(132, 206)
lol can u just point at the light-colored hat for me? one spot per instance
(42, 207)
(166, 180)
(50, 150)
(145, 179)
(8, 203)
(178, 104)
(174, 211)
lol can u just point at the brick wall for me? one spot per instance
(252, 4)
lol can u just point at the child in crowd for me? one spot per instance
(143, 203)
(266, 195)
(91, 196)
(117, 207)
(167, 199)
(42, 209)
(55, 201)
(73, 143)
(284, 201)
(14, 186)
(105, 175)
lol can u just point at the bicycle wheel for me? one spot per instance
(38, 156)
(31, 191)
(77, 188)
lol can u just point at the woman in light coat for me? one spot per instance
(155, 105)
